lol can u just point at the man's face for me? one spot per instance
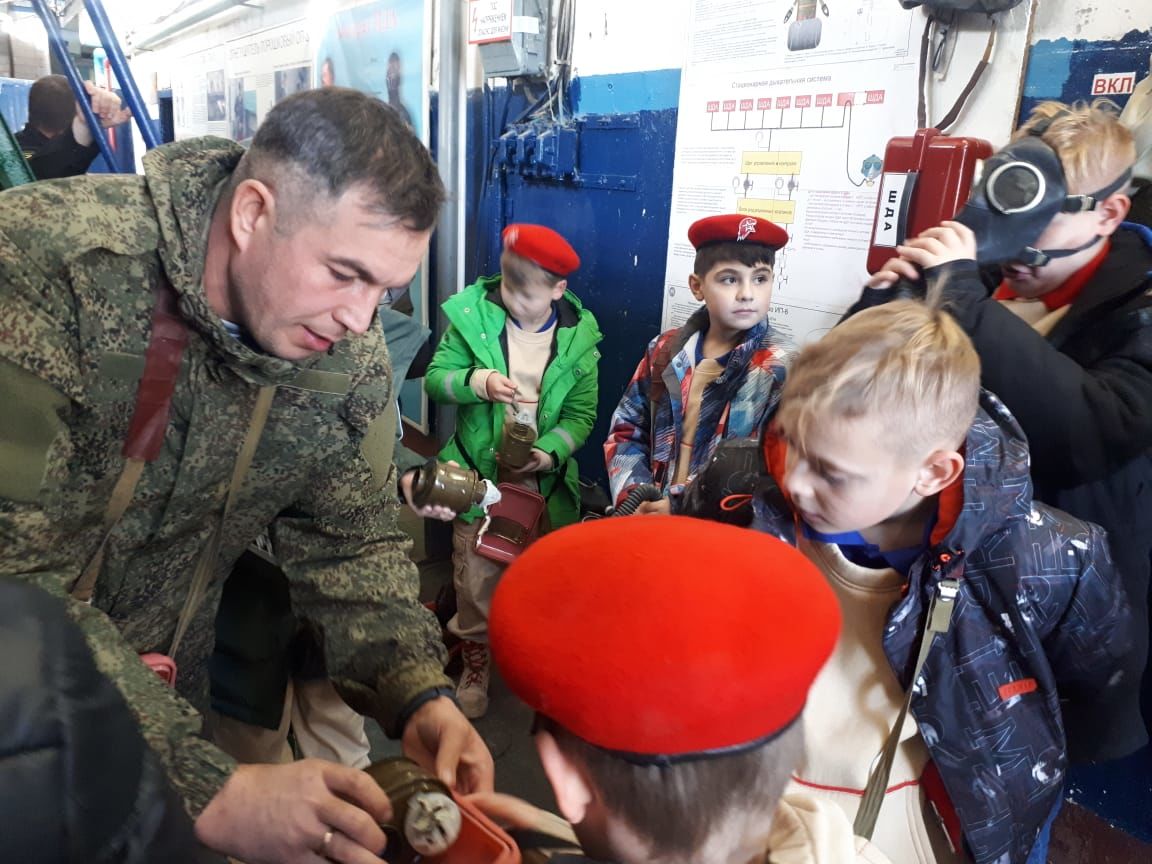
(848, 477)
(737, 296)
(298, 293)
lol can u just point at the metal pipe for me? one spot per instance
(452, 107)
(180, 21)
(123, 74)
(60, 49)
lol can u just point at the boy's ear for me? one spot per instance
(938, 472)
(559, 288)
(696, 286)
(573, 793)
(1112, 211)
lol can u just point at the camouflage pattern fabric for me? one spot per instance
(78, 258)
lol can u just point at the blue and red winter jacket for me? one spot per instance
(644, 435)
(1041, 620)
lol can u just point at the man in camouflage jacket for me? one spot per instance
(275, 258)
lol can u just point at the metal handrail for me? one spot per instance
(60, 49)
(123, 74)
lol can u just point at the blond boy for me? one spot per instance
(908, 485)
(521, 347)
(1061, 317)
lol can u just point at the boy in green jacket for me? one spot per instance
(520, 346)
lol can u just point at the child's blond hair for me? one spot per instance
(906, 363)
(1094, 147)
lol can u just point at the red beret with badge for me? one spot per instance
(663, 638)
(541, 245)
(736, 228)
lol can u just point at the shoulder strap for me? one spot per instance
(922, 119)
(206, 564)
(162, 359)
(938, 621)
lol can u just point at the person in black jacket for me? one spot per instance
(56, 140)
(1063, 327)
(77, 782)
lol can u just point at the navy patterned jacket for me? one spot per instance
(1041, 618)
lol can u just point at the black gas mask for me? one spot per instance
(1021, 189)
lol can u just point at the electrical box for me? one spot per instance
(512, 36)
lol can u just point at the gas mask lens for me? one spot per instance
(1015, 187)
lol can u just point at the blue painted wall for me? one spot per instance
(627, 135)
(1063, 69)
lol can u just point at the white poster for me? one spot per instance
(263, 68)
(199, 100)
(785, 111)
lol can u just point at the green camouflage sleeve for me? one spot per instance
(347, 563)
(35, 551)
(39, 385)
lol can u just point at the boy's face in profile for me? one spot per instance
(848, 476)
(1065, 231)
(737, 296)
(530, 302)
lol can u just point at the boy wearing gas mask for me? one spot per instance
(1052, 286)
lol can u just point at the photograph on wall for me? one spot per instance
(217, 108)
(271, 64)
(200, 94)
(384, 48)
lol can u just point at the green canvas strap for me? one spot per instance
(939, 620)
(145, 438)
(206, 564)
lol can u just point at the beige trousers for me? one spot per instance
(324, 727)
(474, 576)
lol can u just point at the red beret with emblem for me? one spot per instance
(736, 228)
(542, 245)
(663, 638)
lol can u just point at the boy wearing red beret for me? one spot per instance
(520, 347)
(967, 604)
(717, 377)
(668, 709)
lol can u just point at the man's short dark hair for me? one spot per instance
(330, 140)
(51, 105)
(676, 808)
(748, 254)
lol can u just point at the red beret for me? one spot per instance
(663, 636)
(736, 228)
(542, 245)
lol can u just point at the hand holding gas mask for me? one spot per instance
(1021, 189)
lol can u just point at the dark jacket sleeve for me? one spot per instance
(62, 156)
(79, 780)
(1082, 422)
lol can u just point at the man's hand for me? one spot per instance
(948, 241)
(508, 811)
(283, 813)
(662, 507)
(431, 511)
(500, 388)
(107, 108)
(441, 740)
